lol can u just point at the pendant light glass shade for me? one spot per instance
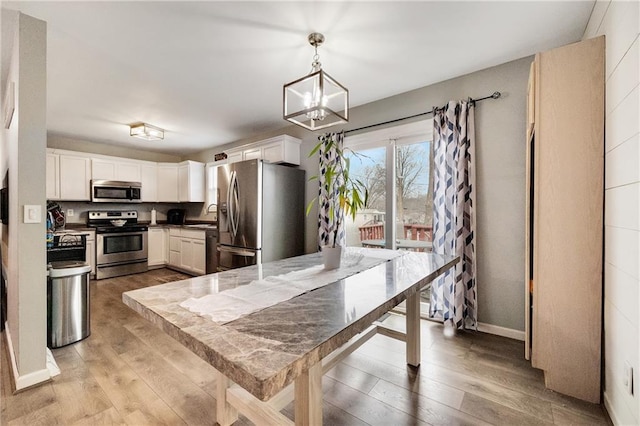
(146, 131)
(317, 100)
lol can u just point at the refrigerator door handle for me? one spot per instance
(227, 208)
(232, 204)
(236, 204)
(239, 252)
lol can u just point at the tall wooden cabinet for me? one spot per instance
(564, 217)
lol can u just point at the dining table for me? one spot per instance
(272, 330)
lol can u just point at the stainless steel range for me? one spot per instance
(121, 243)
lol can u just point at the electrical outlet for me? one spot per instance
(628, 377)
(70, 213)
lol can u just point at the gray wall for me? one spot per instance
(500, 130)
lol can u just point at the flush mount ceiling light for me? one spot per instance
(315, 101)
(146, 131)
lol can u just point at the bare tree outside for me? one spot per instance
(374, 180)
(410, 167)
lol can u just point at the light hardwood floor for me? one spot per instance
(129, 372)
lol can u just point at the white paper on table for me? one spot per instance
(260, 294)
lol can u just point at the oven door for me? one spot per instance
(121, 247)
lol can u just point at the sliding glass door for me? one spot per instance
(369, 166)
(395, 165)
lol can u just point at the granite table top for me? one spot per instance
(266, 350)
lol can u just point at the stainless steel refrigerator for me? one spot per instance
(260, 213)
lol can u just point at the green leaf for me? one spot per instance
(310, 205)
(315, 149)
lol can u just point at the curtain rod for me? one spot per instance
(495, 95)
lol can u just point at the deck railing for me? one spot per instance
(374, 231)
(416, 232)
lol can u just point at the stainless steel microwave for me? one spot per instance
(115, 191)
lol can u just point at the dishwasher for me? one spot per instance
(211, 241)
(68, 311)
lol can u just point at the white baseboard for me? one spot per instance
(609, 408)
(485, 328)
(26, 380)
(501, 331)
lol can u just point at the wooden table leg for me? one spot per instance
(308, 397)
(413, 329)
(225, 413)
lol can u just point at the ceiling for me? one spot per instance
(211, 73)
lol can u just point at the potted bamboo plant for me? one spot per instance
(345, 196)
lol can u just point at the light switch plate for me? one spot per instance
(32, 213)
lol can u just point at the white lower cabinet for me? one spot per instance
(187, 250)
(174, 247)
(199, 256)
(158, 253)
(91, 252)
(186, 253)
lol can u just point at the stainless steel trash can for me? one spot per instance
(68, 312)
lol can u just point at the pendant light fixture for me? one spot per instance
(315, 101)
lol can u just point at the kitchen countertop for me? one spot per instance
(75, 227)
(266, 350)
(78, 227)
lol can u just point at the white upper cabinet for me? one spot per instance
(252, 154)
(234, 157)
(191, 182)
(103, 169)
(167, 182)
(282, 149)
(211, 185)
(69, 176)
(53, 176)
(111, 169)
(149, 181)
(128, 171)
(75, 176)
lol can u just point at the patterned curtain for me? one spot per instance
(329, 155)
(453, 295)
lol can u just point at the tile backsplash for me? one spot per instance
(195, 211)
